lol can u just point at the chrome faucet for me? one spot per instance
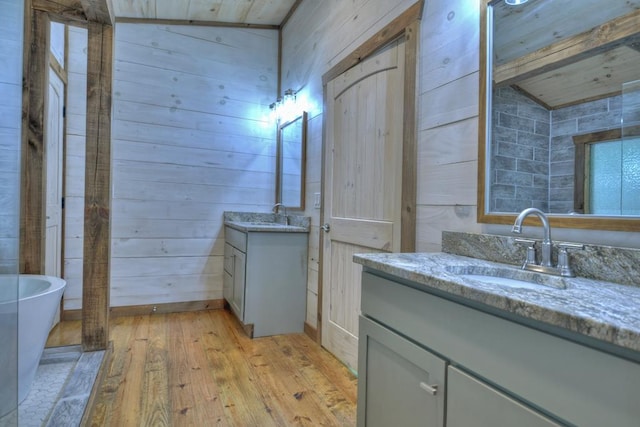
(546, 240)
(276, 210)
(563, 268)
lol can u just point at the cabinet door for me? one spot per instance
(471, 402)
(227, 285)
(399, 383)
(237, 302)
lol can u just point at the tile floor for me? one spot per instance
(60, 391)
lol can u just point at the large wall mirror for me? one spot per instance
(557, 77)
(290, 163)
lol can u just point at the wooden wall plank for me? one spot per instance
(36, 60)
(76, 123)
(97, 218)
(186, 156)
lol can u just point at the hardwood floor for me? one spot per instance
(199, 368)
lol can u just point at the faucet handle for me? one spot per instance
(563, 258)
(531, 250)
(567, 245)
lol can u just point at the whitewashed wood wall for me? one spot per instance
(76, 120)
(322, 32)
(191, 139)
(11, 34)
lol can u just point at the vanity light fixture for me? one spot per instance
(515, 2)
(285, 108)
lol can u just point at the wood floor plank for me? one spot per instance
(155, 411)
(244, 401)
(200, 369)
(210, 410)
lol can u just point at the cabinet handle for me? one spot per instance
(431, 389)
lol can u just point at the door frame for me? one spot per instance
(406, 24)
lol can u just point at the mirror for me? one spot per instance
(550, 71)
(290, 162)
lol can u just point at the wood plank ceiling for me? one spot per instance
(242, 12)
(582, 59)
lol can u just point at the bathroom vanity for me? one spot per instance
(265, 271)
(437, 347)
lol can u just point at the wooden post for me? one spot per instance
(34, 90)
(97, 210)
(410, 140)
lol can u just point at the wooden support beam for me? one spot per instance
(34, 89)
(66, 11)
(410, 140)
(616, 32)
(98, 11)
(97, 208)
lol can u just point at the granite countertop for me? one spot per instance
(605, 311)
(267, 222)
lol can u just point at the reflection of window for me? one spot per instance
(607, 178)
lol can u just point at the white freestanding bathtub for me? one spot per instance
(38, 300)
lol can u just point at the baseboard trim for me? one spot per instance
(311, 331)
(140, 310)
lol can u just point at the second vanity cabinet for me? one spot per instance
(265, 280)
(427, 358)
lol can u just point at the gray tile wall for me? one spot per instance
(519, 175)
(533, 150)
(566, 122)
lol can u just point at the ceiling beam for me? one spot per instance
(100, 11)
(618, 31)
(77, 11)
(68, 11)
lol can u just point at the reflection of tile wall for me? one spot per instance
(520, 143)
(592, 116)
(534, 152)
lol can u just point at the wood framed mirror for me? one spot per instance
(291, 162)
(551, 70)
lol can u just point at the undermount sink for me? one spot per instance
(509, 277)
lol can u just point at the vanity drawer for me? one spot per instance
(236, 238)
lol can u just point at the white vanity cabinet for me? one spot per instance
(499, 371)
(265, 280)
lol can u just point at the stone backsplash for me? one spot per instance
(607, 263)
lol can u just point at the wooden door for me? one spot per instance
(363, 186)
(53, 150)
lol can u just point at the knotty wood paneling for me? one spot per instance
(190, 141)
(247, 12)
(75, 164)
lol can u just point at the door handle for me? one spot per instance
(431, 389)
(326, 227)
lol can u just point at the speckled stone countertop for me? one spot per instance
(267, 222)
(605, 311)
